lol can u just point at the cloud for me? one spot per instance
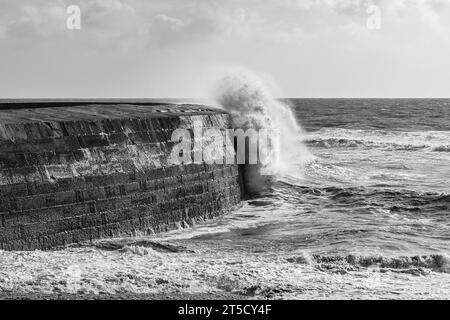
(112, 17)
(106, 19)
(189, 24)
(169, 22)
(177, 23)
(429, 13)
(34, 21)
(160, 44)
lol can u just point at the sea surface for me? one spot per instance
(369, 217)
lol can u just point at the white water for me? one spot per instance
(252, 105)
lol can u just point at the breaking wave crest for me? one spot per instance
(394, 200)
(353, 143)
(403, 264)
(139, 246)
(367, 139)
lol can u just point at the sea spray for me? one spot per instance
(252, 105)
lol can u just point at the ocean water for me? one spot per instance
(367, 217)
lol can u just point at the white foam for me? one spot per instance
(252, 105)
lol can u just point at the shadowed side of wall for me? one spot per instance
(81, 173)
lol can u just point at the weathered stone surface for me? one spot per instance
(82, 172)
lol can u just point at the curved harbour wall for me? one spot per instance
(77, 173)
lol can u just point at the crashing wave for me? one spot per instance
(252, 105)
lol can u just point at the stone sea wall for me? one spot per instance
(78, 173)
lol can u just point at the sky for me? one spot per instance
(178, 48)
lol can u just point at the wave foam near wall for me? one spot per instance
(252, 105)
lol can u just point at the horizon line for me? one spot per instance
(155, 100)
